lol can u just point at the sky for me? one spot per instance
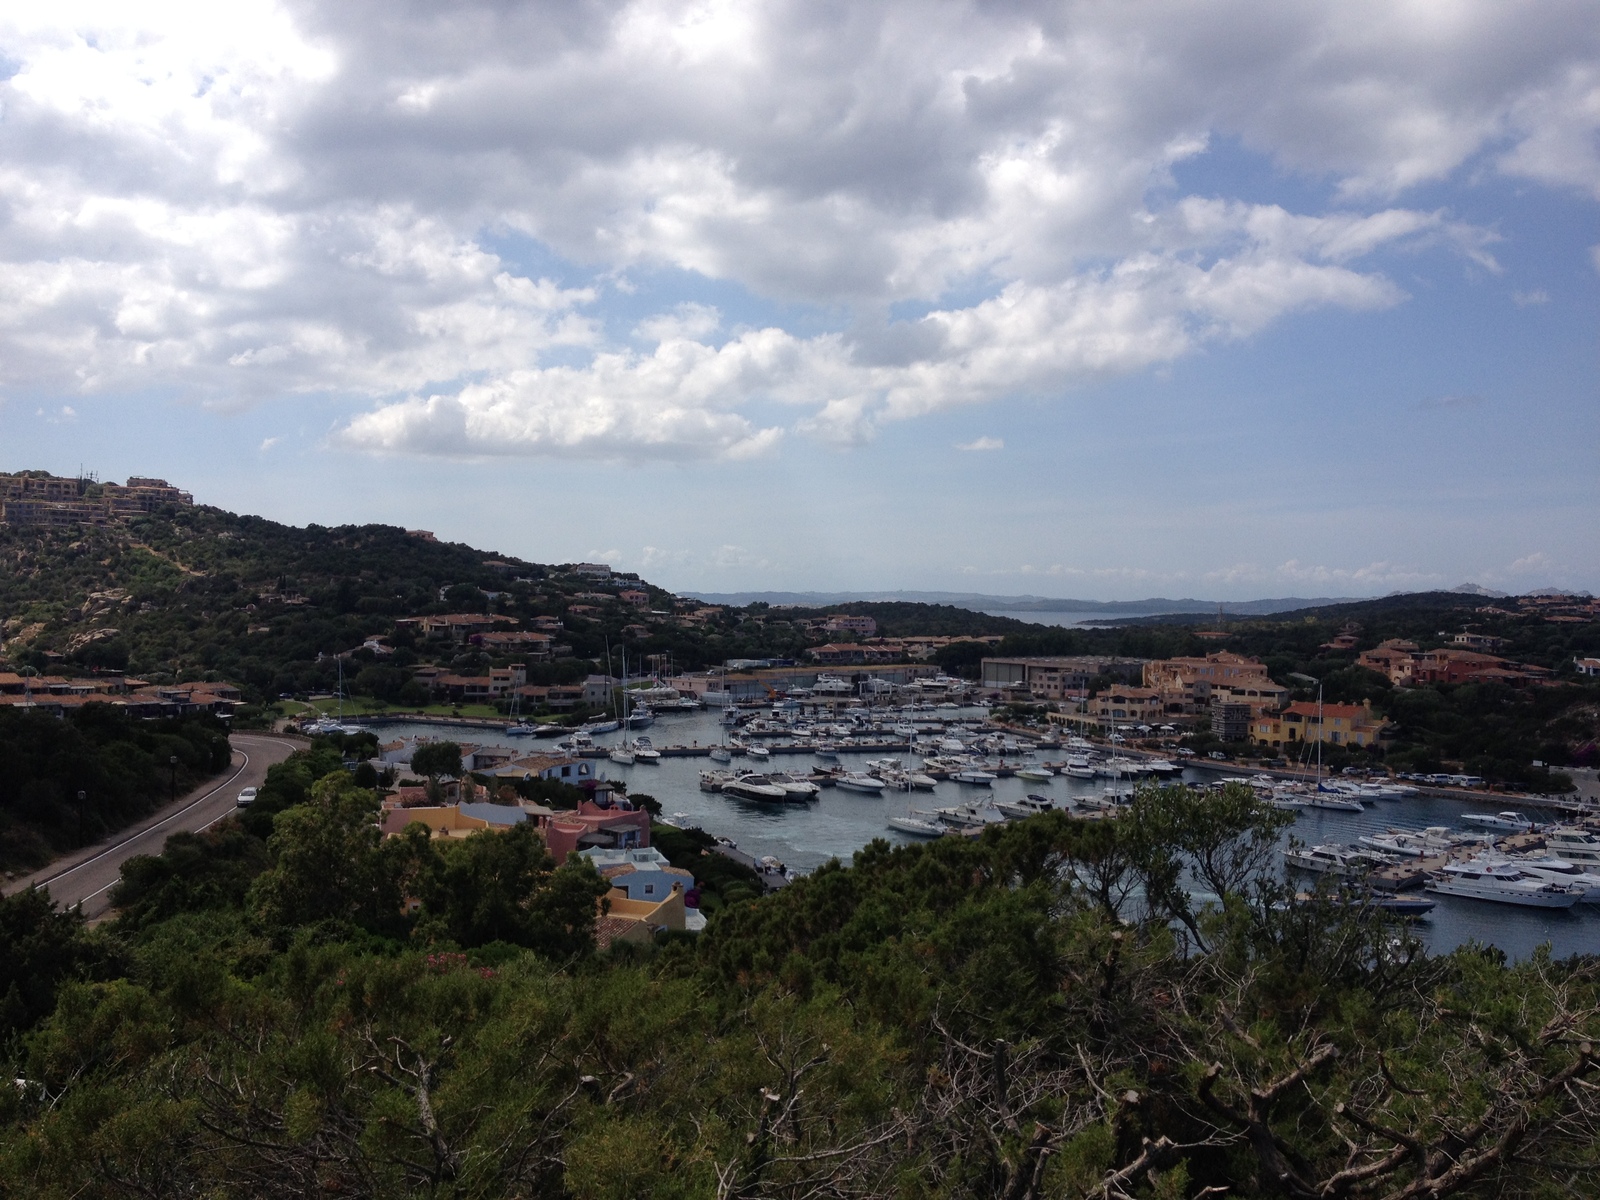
(1099, 299)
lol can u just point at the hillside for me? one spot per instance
(199, 594)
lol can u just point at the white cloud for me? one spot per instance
(1530, 298)
(266, 199)
(983, 443)
(269, 443)
(687, 322)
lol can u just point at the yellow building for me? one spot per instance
(1336, 725)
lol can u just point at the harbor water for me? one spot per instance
(840, 822)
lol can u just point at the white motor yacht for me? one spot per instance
(1502, 883)
(712, 781)
(974, 776)
(1559, 870)
(1507, 822)
(794, 785)
(964, 816)
(759, 752)
(1335, 860)
(1079, 767)
(860, 781)
(1036, 774)
(918, 825)
(1028, 806)
(1581, 847)
(1435, 839)
(1333, 801)
(644, 752)
(754, 787)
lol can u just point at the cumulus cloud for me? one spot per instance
(983, 443)
(314, 198)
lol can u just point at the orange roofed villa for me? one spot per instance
(1304, 721)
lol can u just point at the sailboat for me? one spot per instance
(518, 727)
(1325, 796)
(335, 725)
(622, 752)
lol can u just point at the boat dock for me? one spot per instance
(771, 880)
(1413, 872)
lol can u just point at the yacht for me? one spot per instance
(860, 781)
(1107, 803)
(832, 685)
(1029, 806)
(1501, 882)
(1507, 822)
(974, 776)
(1581, 847)
(1078, 766)
(520, 729)
(644, 752)
(640, 718)
(1435, 839)
(963, 816)
(1333, 801)
(593, 727)
(759, 752)
(1036, 774)
(754, 787)
(712, 781)
(1559, 870)
(1335, 860)
(918, 825)
(795, 785)
(622, 754)
(721, 754)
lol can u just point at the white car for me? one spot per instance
(246, 797)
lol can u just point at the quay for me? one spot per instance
(771, 880)
(1412, 873)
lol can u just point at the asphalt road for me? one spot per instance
(86, 876)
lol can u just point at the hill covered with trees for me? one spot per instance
(201, 594)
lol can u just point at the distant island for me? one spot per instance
(980, 602)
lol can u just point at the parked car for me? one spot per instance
(1218, 755)
(246, 797)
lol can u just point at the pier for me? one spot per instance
(1403, 876)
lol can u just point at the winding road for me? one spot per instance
(87, 875)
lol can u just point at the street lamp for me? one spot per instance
(82, 824)
(172, 762)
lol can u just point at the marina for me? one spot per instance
(805, 832)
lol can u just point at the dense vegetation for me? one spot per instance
(964, 1018)
(123, 768)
